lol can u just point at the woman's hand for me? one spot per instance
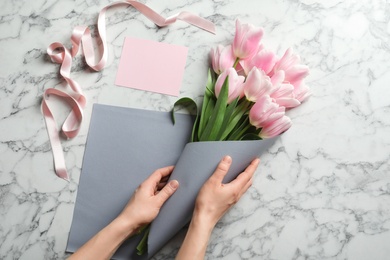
(141, 209)
(147, 200)
(215, 198)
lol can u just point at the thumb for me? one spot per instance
(167, 191)
(222, 168)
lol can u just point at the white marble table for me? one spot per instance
(322, 191)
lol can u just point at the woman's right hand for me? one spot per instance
(215, 198)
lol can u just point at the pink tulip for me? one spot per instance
(262, 110)
(222, 58)
(264, 60)
(235, 82)
(301, 91)
(284, 95)
(277, 78)
(275, 128)
(256, 85)
(279, 112)
(289, 63)
(246, 40)
(296, 74)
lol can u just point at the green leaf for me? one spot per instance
(251, 136)
(205, 117)
(187, 102)
(227, 119)
(240, 129)
(142, 246)
(207, 105)
(238, 125)
(214, 124)
(211, 79)
(237, 115)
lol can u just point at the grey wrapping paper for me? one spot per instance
(195, 165)
(124, 147)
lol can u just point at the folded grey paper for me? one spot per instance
(195, 165)
(124, 147)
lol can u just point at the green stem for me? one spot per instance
(236, 62)
(240, 134)
(142, 246)
(240, 130)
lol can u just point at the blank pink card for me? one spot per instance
(152, 66)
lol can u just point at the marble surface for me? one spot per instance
(322, 191)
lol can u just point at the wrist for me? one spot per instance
(202, 219)
(197, 237)
(126, 227)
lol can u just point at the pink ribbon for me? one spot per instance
(75, 98)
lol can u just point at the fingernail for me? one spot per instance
(227, 159)
(174, 184)
(257, 161)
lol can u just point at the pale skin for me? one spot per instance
(213, 201)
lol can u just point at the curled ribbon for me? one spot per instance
(81, 36)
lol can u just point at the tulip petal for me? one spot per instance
(276, 128)
(246, 40)
(236, 84)
(261, 110)
(257, 84)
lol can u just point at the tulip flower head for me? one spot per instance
(278, 78)
(276, 127)
(301, 91)
(264, 60)
(284, 95)
(222, 58)
(235, 82)
(262, 110)
(257, 84)
(246, 40)
(279, 112)
(290, 64)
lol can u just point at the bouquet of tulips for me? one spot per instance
(249, 90)
(247, 94)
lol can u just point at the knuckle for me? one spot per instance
(235, 196)
(223, 166)
(137, 190)
(167, 191)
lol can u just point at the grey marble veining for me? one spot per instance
(322, 191)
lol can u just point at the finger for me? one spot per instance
(161, 185)
(222, 169)
(165, 179)
(167, 191)
(159, 174)
(162, 182)
(246, 187)
(244, 177)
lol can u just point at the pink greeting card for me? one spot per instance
(152, 66)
